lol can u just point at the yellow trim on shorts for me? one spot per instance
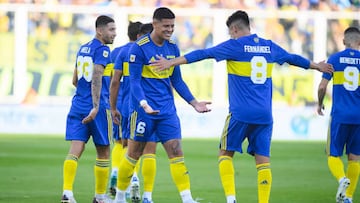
(133, 118)
(225, 132)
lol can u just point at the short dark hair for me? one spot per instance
(163, 13)
(103, 21)
(146, 28)
(352, 30)
(239, 15)
(351, 35)
(133, 30)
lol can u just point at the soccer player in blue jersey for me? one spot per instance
(152, 105)
(344, 131)
(119, 99)
(250, 60)
(89, 113)
(119, 102)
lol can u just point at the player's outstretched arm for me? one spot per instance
(200, 107)
(322, 67)
(162, 63)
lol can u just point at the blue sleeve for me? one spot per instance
(180, 86)
(136, 62)
(114, 54)
(282, 56)
(102, 56)
(178, 83)
(219, 53)
(118, 65)
(328, 76)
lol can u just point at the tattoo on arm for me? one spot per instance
(96, 84)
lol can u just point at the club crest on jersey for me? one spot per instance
(256, 40)
(352, 53)
(105, 53)
(132, 57)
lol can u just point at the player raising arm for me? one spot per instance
(250, 60)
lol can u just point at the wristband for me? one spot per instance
(143, 103)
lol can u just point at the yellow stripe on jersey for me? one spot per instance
(149, 72)
(339, 78)
(247, 68)
(125, 69)
(143, 41)
(109, 69)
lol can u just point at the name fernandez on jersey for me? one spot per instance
(257, 49)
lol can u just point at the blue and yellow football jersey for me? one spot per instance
(346, 91)
(122, 63)
(250, 60)
(151, 85)
(89, 54)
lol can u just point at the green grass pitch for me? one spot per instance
(31, 171)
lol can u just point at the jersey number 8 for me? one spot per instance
(258, 69)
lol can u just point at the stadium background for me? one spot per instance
(39, 40)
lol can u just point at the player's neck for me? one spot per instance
(99, 38)
(156, 39)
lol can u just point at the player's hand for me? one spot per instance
(149, 110)
(202, 107)
(115, 114)
(320, 110)
(325, 67)
(91, 116)
(161, 63)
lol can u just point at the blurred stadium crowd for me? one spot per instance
(295, 34)
(230, 4)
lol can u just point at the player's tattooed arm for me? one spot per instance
(96, 84)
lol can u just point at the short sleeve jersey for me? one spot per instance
(122, 63)
(89, 54)
(250, 60)
(346, 91)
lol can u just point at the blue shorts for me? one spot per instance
(145, 129)
(100, 128)
(123, 129)
(235, 132)
(343, 135)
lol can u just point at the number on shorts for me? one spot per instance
(258, 69)
(351, 75)
(140, 128)
(85, 67)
